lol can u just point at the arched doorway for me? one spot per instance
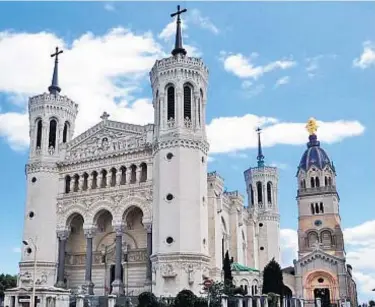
(321, 284)
(324, 295)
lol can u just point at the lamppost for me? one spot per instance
(33, 244)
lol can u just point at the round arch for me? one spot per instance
(134, 201)
(98, 206)
(319, 279)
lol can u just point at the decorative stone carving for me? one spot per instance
(89, 232)
(42, 280)
(51, 150)
(190, 274)
(26, 277)
(148, 227)
(167, 271)
(62, 234)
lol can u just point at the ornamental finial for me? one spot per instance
(312, 126)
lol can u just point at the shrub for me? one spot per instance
(185, 298)
(147, 299)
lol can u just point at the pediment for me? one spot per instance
(321, 255)
(107, 137)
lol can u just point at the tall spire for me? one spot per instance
(178, 43)
(260, 156)
(54, 87)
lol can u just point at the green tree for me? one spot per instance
(272, 278)
(7, 281)
(371, 303)
(228, 278)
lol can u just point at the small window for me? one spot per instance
(260, 224)
(31, 214)
(169, 240)
(204, 241)
(169, 197)
(29, 250)
(261, 248)
(202, 159)
(320, 280)
(169, 156)
(33, 180)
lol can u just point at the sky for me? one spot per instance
(272, 65)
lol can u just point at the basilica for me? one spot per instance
(122, 209)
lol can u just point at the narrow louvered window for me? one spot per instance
(187, 102)
(171, 103)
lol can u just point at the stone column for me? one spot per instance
(258, 302)
(63, 236)
(249, 300)
(148, 227)
(89, 234)
(301, 302)
(138, 174)
(128, 175)
(118, 285)
(224, 300)
(118, 177)
(239, 300)
(111, 300)
(265, 300)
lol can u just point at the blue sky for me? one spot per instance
(274, 64)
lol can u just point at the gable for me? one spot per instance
(107, 137)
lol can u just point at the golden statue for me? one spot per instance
(312, 126)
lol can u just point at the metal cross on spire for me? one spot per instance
(54, 87)
(260, 156)
(178, 43)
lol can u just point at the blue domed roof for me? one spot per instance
(314, 155)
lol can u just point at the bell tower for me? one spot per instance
(319, 222)
(51, 119)
(179, 86)
(261, 184)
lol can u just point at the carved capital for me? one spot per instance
(89, 232)
(119, 229)
(63, 234)
(148, 227)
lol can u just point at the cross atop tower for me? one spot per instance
(54, 87)
(260, 156)
(178, 43)
(104, 116)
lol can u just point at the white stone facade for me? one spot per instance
(143, 189)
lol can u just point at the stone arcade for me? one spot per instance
(122, 208)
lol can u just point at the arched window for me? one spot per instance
(259, 192)
(67, 184)
(85, 181)
(312, 208)
(269, 192)
(303, 184)
(123, 175)
(312, 182)
(65, 132)
(317, 182)
(326, 238)
(187, 101)
(76, 183)
(171, 102)
(313, 238)
(133, 175)
(317, 208)
(251, 194)
(94, 182)
(52, 133)
(39, 131)
(143, 172)
(325, 181)
(113, 177)
(103, 183)
(329, 181)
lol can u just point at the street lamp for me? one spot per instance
(33, 244)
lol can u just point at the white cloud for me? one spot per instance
(95, 71)
(226, 134)
(109, 6)
(367, 58)
(282, 81)
(16, 250)
(196, 17)
(360, 247)
(242, 67)
(314, 63)
(281, 166)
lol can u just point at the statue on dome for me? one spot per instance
(311, 126)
